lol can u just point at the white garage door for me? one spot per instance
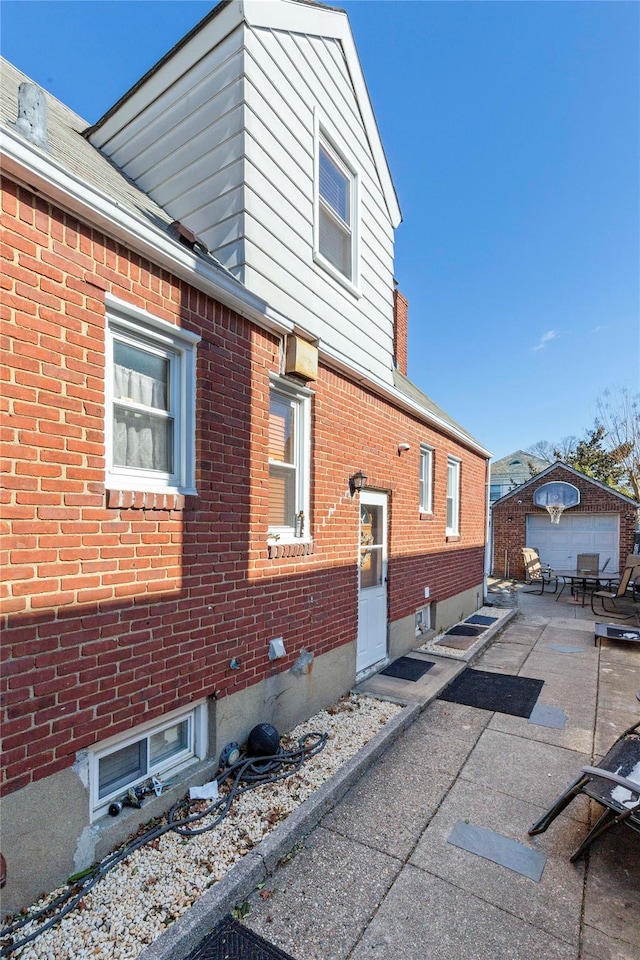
(576, 533)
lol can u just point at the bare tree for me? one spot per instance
(618, 412)
(562, 450)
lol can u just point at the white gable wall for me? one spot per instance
(223, 136)
(293, 83)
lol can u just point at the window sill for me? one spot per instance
(290, 548)
(140, 500)
(426, 514)
(335, 274)
(452, 537)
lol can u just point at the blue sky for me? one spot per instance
(512, 134)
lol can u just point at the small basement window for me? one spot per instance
(158, 751)
(423, 620)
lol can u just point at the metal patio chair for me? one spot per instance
(615, 785)
(535, 571)
(626, 581)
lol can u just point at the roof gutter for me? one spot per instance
(44, 175)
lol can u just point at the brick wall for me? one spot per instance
(509, 519)
(400, 330)
(120, 606)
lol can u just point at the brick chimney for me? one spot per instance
(400, 330)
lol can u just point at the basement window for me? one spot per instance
(155, 751)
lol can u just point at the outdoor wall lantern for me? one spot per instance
(357, 482)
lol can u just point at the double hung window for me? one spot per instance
(150, 386)
(453, 497)
(426, 479)
(288, 461)
(336, 197)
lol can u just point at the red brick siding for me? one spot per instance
(509, 519)
(400, 330)
(120, 606)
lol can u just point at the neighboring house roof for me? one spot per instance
(409, 389)
(514, 461)
(576, 473)
(294, 16)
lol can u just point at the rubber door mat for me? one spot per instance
(480, 618)
(407, 668)
(499, 692)
(465, 630)
(229, 940)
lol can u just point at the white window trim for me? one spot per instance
(302, 397)
(196, 714)
(136, 323)
(322, 137)
(426, 453)
(423, 619)
(454, 531)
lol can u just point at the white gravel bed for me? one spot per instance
(134, 903)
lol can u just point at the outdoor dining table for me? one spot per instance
(580, 578)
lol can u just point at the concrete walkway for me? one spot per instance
(377, 878)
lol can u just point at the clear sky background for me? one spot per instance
(512, 134)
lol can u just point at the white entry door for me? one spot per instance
(372, 596)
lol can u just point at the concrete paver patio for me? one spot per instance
(379, 879)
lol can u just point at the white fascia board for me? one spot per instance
(49, 178)
(163, 75)
(294, 17)
(339, 361)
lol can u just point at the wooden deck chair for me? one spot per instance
(535, 571)
(615, 784)
(628, 577)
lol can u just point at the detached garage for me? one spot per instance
(562, 513)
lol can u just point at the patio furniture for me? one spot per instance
(614, 784)
(627, 580)
(536, 571)
(588, 563)
(614, 631)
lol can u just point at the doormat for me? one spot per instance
(500, 692)
(480, 618)
(465, 630)
(229, 940)
(407, 668)
(502, 850)
(458, 643)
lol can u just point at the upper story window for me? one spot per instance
(426, 479)
(150, 393)
(336, 213)
(453, 496)
(289, 431)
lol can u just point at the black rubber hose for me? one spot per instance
(251, 771)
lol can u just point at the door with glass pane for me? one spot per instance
(372, 565)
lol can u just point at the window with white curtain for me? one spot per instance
(288, 461)
(336, 205)
(453, 496)
(150, 387)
